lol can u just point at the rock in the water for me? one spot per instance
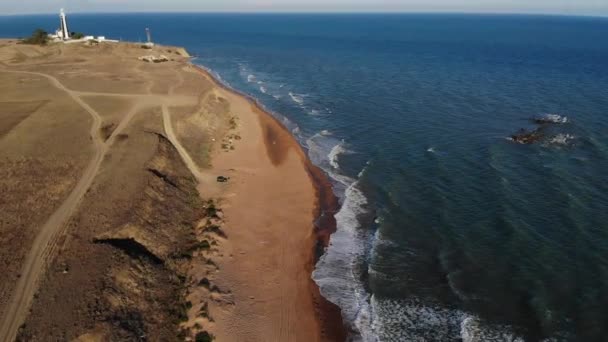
(528, 137)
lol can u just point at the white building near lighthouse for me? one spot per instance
(62, 34)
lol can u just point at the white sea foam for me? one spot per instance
(555, 118)
(263, 89)
(322, 151)
(335, 152)
(336, 272)
(431, 149)
(380, 241)
(413, 320)
(473, 330)
(379, 319)
(562, 139)
(276, 97)
(314, 112)
(319, 146)
(296, 98)
(250, 78)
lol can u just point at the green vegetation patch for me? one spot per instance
(38, 37)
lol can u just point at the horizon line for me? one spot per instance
(353, 12)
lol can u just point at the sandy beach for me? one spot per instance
(144, 241)
(270, 205)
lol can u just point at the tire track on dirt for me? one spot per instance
(178, 146)
(167, 125)
(45, 242)
(18, 306)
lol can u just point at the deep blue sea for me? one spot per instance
(448, 230)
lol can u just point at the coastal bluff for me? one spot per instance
(115, 226)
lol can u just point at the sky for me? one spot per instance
(573, 7)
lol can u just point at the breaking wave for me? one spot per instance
(323, 148)
(335, 152)
(297, 98)
(263, 86)
(554, 118)
(414, 320)
(338, 271)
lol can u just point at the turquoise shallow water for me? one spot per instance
(448, 230)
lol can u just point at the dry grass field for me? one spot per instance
(98, 208)
(44, 147)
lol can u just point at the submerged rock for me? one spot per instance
(544, 123)
(528, 137)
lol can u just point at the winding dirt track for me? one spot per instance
(182, 151)
(192, 167)
(16, 311)
(171, 136)
(45, 242)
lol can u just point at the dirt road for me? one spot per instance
(182, 151)
(16, 311)
(45, 242)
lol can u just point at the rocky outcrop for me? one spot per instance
(528, 137)
(542, 133)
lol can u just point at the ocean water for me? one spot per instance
(448, 231)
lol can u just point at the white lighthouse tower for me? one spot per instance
(63, 33)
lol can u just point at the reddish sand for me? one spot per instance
(271, 203)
